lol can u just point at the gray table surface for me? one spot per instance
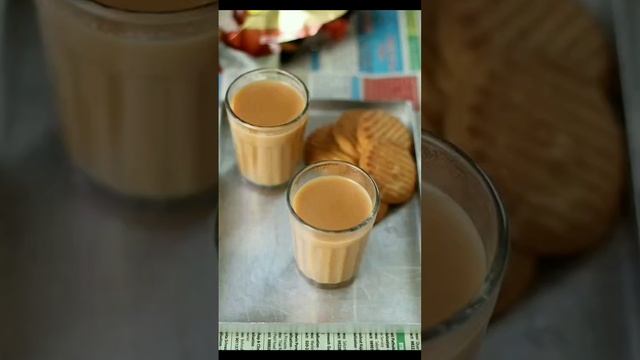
(85, 274)
(585, 308)
(259, 283)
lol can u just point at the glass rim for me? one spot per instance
(365, 222)
(140, 17)
(296, 119)
(498, 266)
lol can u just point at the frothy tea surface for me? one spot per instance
(332, 203)
(267, 103)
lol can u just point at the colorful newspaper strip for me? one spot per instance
(248, 340)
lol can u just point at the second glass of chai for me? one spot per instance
(332, 207)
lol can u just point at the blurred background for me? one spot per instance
(87, 272)
(542, 94)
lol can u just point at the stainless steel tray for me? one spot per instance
(259, 284)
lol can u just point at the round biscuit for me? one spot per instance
(551, 144)
(393, 169)
(344, 131)
(321, 146)
(378, 125)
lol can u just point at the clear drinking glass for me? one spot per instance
(330, 258)
(136, 94)
(452, 172)
(267, 155)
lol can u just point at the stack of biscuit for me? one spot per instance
(524, 88)
(377, 142)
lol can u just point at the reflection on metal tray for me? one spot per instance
(258, 278)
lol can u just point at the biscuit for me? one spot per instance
(518, 279)
(551, 144)
(378, 125)
(344, 132)
(383, 210)
(434, 100)
(393, 169)
(561, 31)
(321, 146)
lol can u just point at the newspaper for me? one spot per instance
(378, 61)
(229, 340)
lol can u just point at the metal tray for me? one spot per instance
(259, 284)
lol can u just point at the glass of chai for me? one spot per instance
(136, 87)
(464, 252)
(332, 208)
(267, 111)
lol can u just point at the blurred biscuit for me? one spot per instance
(433, 97)
(562, 31)
(551, 144)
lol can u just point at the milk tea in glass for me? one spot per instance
(464, 252)
(332, 209)
(267, 112)
(136, 87)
